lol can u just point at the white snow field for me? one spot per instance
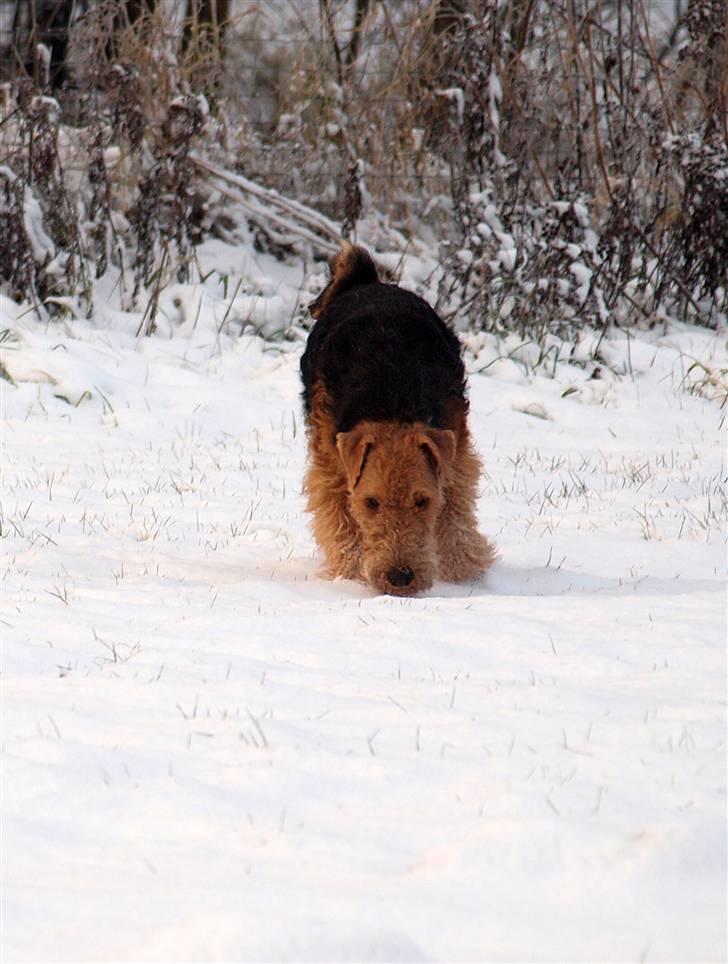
(211, 753)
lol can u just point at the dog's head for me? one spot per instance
(396, 477)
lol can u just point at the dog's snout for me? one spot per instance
(400, 577)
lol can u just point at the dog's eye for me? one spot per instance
(372, 504)
(421, 502)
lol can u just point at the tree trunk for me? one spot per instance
(205, 23)
(45, 22)
(129, 12)
(360, 12)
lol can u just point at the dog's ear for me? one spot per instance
(438, 446)
(354, 448)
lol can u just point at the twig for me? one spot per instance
(306, 214)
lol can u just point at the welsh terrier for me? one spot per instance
(392, 475)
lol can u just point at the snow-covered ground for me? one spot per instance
(210, 753)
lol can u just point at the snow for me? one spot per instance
(211, 753)
(457, 96)
(43, 247)
(583, 276)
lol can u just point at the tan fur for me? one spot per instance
(344, 266)
(325, 485)
(389, 496)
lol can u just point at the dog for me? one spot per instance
(392, 475)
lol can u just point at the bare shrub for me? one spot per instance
(568, 160)
(117, 186)
(587, 187)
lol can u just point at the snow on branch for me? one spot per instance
(265, 205)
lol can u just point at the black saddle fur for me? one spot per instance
(383, 354)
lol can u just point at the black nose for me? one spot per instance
(400, 577)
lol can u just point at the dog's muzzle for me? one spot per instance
(400, 577)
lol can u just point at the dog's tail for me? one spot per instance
(351, 266)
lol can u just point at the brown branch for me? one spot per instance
(328, 17)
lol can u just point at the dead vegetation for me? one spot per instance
(567, 163)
